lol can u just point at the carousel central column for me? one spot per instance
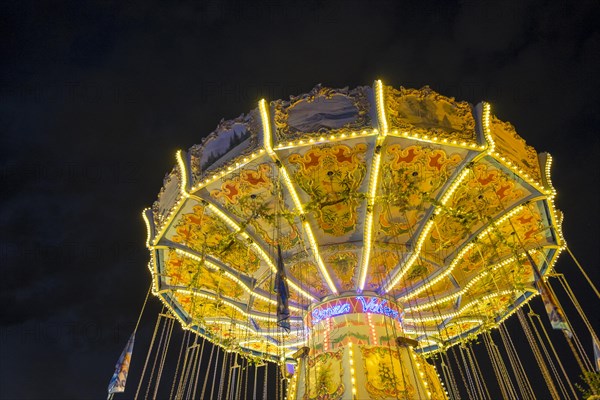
(355, 350)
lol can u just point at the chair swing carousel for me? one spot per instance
(361, 240)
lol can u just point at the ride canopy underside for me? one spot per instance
(432, 206)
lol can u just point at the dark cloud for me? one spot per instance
(97, 96)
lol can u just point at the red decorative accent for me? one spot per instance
(254, 178)
(502, 191)
(411, 154)
(485, 181)
(435, 162)
(341, 156)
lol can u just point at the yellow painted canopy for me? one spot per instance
(401, 192)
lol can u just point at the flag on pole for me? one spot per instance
(555, 313)
(119, 378)
(254, 324)
(283, 310)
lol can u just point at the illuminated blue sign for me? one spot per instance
(319, 314)
(358, 304)
(378, 306)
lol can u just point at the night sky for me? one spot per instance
(96, 97)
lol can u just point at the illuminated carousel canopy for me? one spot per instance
(431, 210)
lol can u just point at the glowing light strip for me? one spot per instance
(238, 324)
(313, 245)
(554, 220)
(225, 218)
(301, 291)
(183, 172)
(381, 106)
(241, 283)
(520, 172)
(228, 303)
(296, 199)
(170, 216)
(550, 267)
(295, 344)
(152, 268)
(331, 138)
(352, 370)
(487, 109)
(547, 172)
(440, 276)
(464, 290)
(453, 188)
(148, 229)
(292, 190)
(514, 310)
(465, 320)
(422, 375)
(441, 381)
(185, 325)
(315, 249)
(427, 228)
(461, 254)
(235, 227)
(434, 139)
(243, 327)
(429, 341)
(372, 329)
(261, 252)
(292, 388)
(243, 342)
(413, 257)
(298, 331)
(162, 228)
(461, 310)
(491, 150)
(188, 325)
(285, 346)
(264, 116)
(368, 233)
(221, 172)
(426, 331)
(373, 180)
